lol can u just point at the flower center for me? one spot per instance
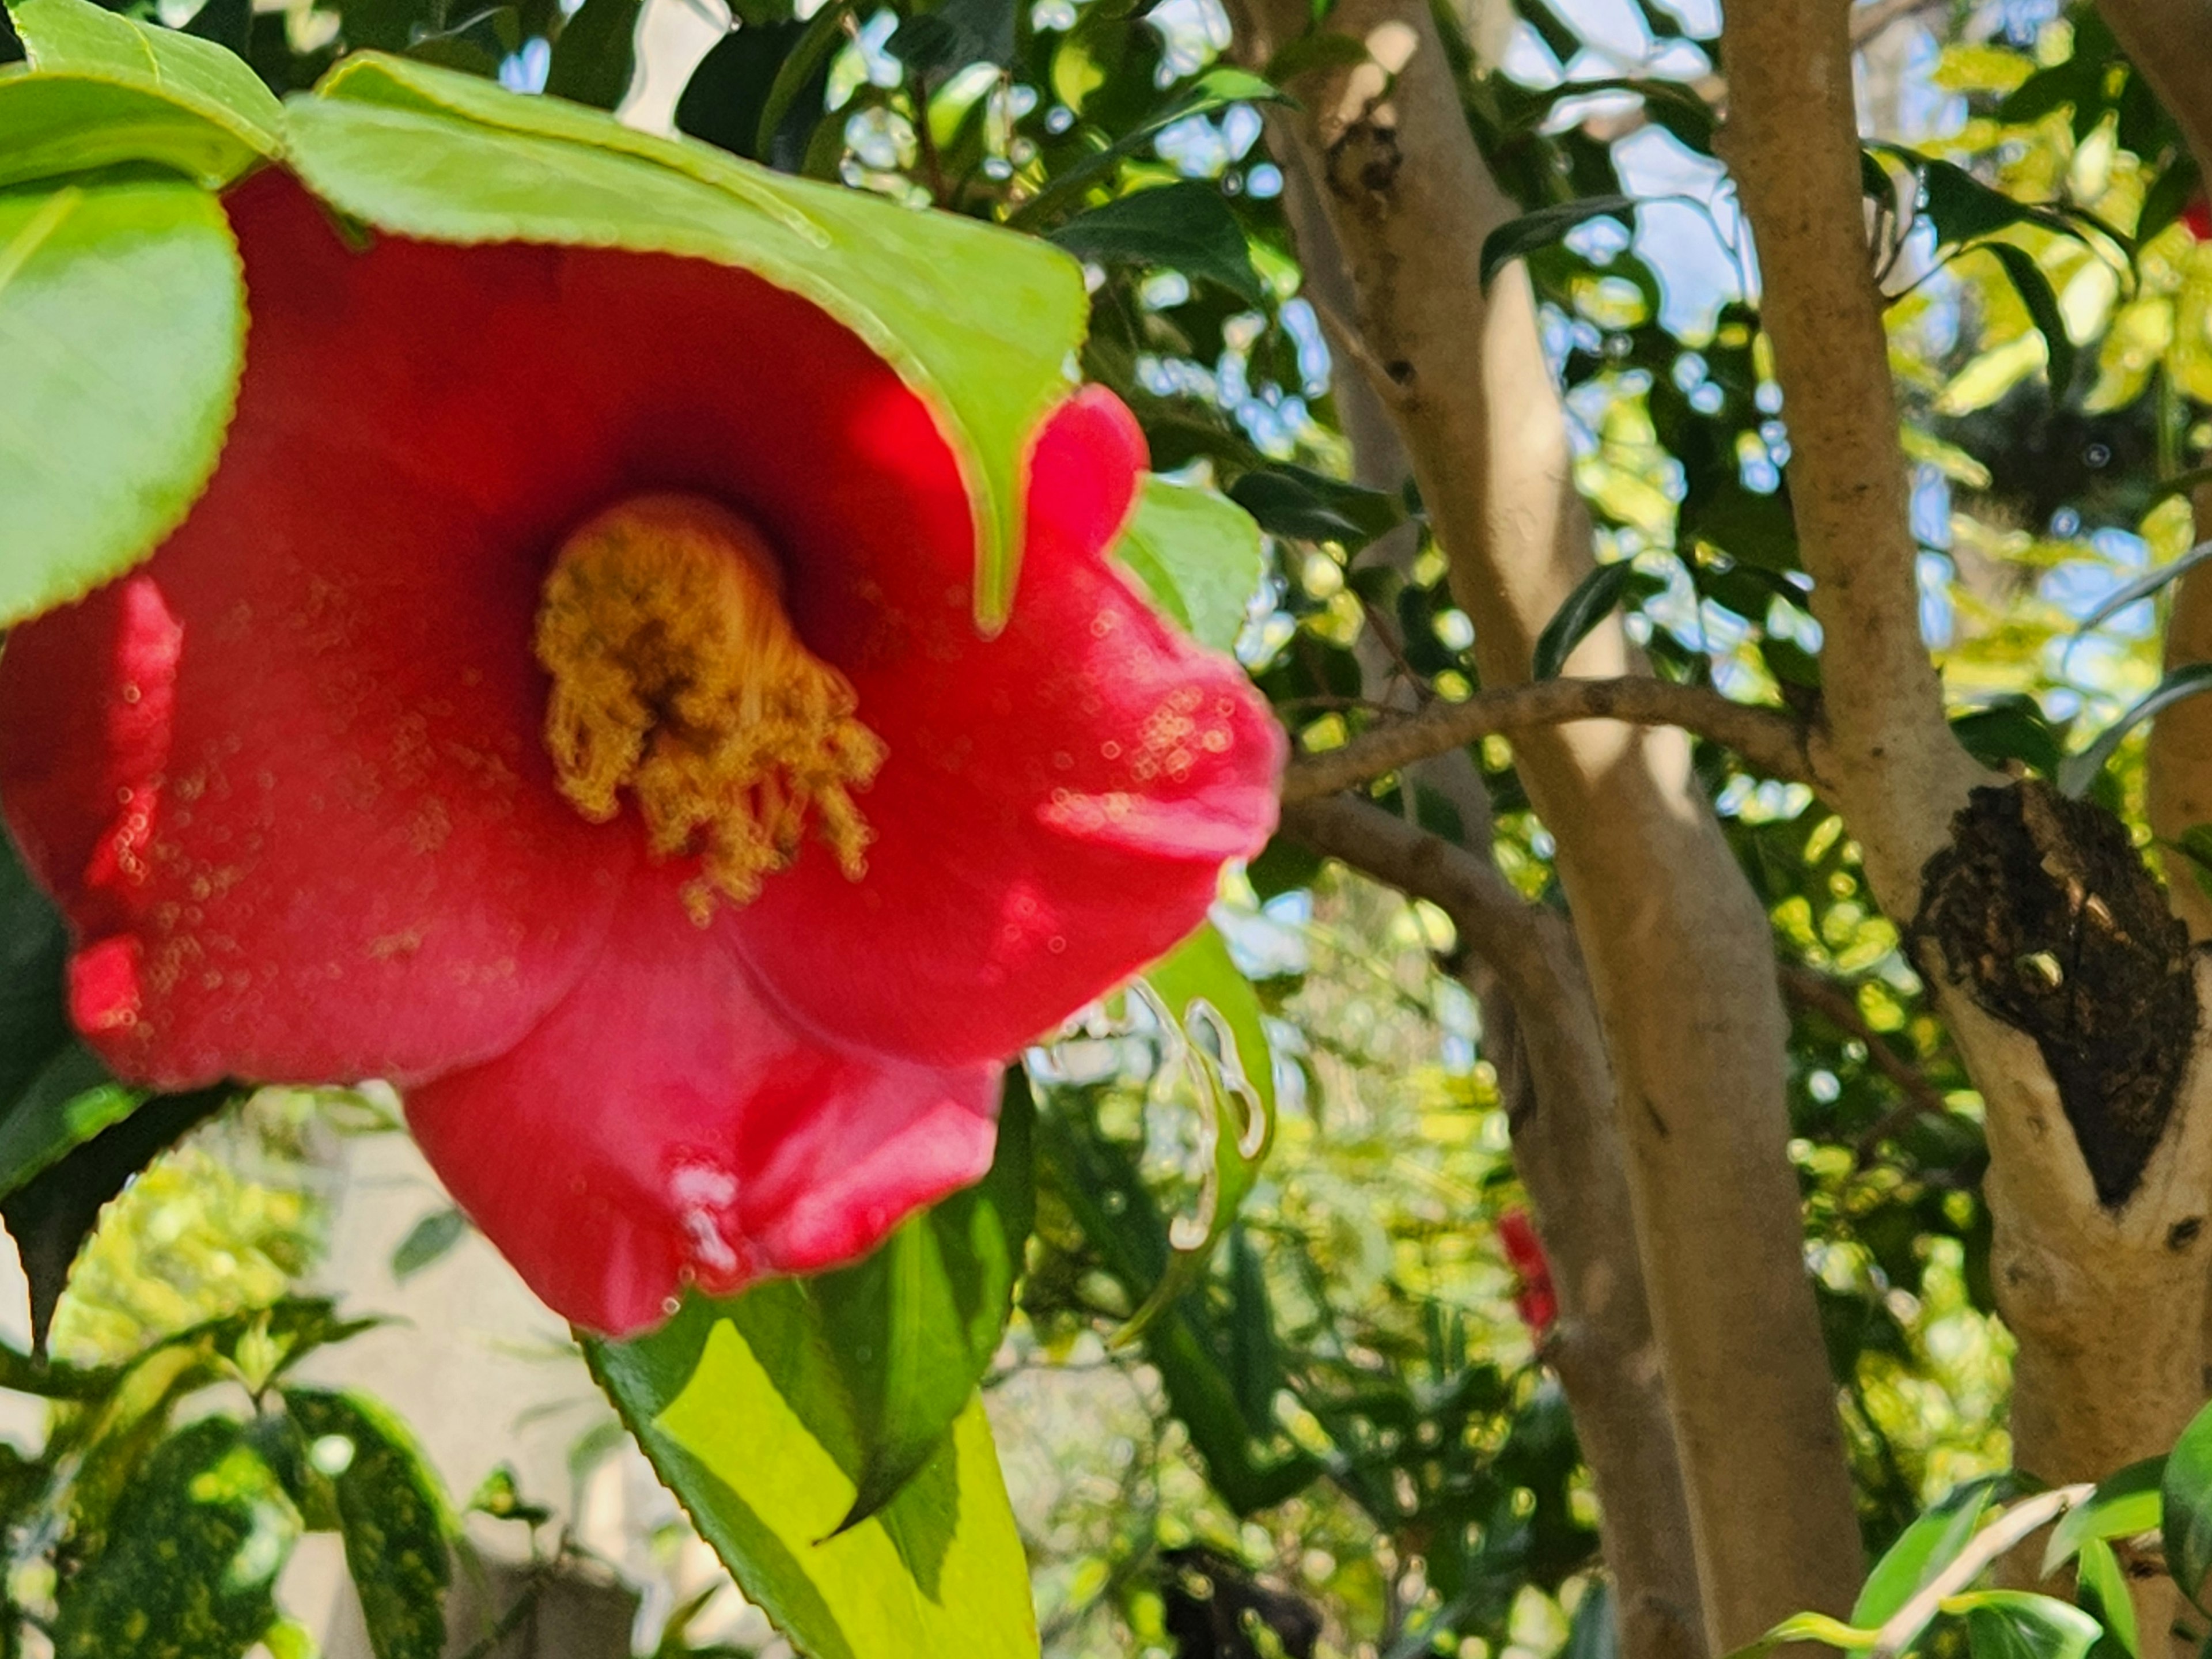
(677, 676)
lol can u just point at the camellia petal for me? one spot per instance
(290, 781)
(1057, 801)
(666, 1125)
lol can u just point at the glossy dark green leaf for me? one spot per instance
(2078, 772)
(932, 43)
(1931, 1543)
(2007, 729)
(1961, 208)
(724, 99)
(53, 1213)
(226, 23)
(1184, 227)
(1308, 506)
(427, 1241)
(596, 53)
(477, 44)
(1216, 89)
(2019, 1625)
(122, 323)
(2123, 1506)
(805, 67)
(1200, 556)
(914, 1325)
(738, 1407)
(190, 1558)
(392, 1514)
(104, 89)
(2185, 1515)
(979, 323)
(1591, 603)
(2034, 290)
(1546, 227)
(2169, 195)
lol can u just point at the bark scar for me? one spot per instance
(2044, 914)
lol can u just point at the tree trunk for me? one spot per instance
(1678, 950)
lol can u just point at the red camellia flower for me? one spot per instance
(565, 703)
(1534, 1298)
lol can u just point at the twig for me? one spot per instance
(1344, 337)
(1816, 994)
(1769, 740)
(2018, 1523)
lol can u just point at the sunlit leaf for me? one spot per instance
(1198, 556)
(1184, 227)
(122, 324)
(732, 1408)
(2185, 1496)
(1931, 1543)
(2123, 1505)
(2079, 771)
(105, 89)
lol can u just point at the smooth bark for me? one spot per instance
(1678, 950)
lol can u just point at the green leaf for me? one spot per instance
(122, 323)
(397, 1526)
(192, 1556)
(596, 54)
(1931, 1543)
(2123, 1505)
(1809, 1628)
(103, 90)
(1184, 227)
(2102, 1590)
(1961, 208)
(2019, 1625)
(2185, 1517)
(427, 1241)
(2010, 728)
(1215, 90)
(1212, 1024)
(805, 66)
(981, 323)
(1305, 505)
(1518, 238)
(1592, 601)
(2167, 197)
(2034, 290)
(914, 1325)
(734, 1406)
(2079, 771)
(723, 100)
(1198, 556)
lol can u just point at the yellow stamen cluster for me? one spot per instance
(677, 676)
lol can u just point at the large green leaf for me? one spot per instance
(1184, 227)
(914, 1325)
(2123, 1505)
(1199, 555)
(2019, 1625)
(738, 1407)
(99, 89)
(191, 1556)
(2185, 1506)
(394, 1518)
(979, 322)
(123, 326)
(1930, 1544)
(1215, 1029)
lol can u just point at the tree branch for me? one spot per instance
(1816, 994)
(1768, 741)
(1792, 142)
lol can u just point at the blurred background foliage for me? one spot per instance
(1340, 1438)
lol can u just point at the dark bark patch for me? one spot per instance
(2180, 1235)
(2045, 913)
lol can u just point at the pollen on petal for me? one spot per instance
(678, 677)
